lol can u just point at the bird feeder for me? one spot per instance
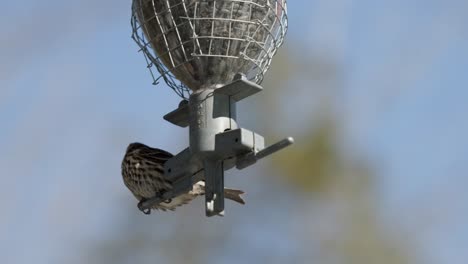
(212, 53)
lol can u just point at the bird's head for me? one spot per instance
(135, 146)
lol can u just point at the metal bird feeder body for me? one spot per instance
(212, 53)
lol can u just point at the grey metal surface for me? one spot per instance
(240, 88)
(252, 157)
(274, 148)
(214, 186)
(180, 116)
(196, 44)
(217, 143)
(177, 167)
(236, 142)
(209, 115)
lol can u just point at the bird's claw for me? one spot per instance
(146, 211)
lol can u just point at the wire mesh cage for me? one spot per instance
(197, 44)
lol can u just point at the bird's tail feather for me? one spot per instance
(234, 195)
(231, 194)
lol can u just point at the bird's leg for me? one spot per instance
(140, 206)
(160, 193)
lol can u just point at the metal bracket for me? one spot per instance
(252, 157)
(216, 143)
(240, 88)
(180, 116)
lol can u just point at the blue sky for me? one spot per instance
(74, 91)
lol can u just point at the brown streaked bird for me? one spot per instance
(143, 174)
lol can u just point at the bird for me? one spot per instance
(143, 175)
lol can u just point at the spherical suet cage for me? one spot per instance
(199, 44)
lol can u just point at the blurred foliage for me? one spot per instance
(314, 162)
(312, 165)
(316, 165)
